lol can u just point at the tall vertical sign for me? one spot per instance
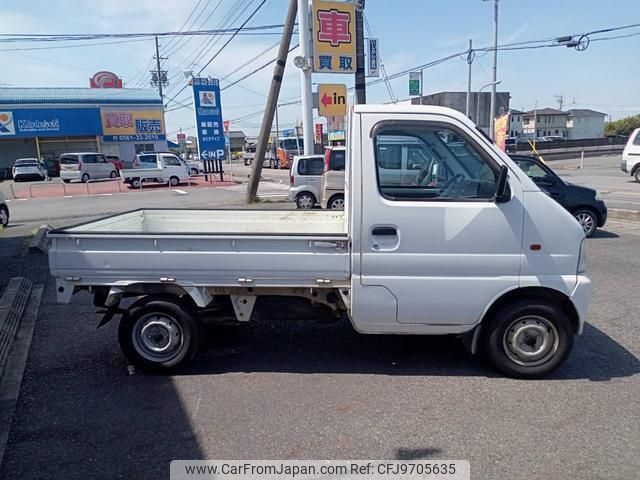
(374, 59)
(501, 131)
(415, 83)
(334, 37)
(208, 113)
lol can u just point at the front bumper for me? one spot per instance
(581, 298)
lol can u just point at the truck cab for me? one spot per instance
(158, 167)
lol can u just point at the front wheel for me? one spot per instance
(158, 335)
(587, 220)
(637, 175)
(4, 216)
(336, 203)
(193, 172)
(174, 181)
(528, 339)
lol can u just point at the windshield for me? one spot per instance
(29, 162)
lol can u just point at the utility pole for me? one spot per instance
(159, 76)
(560, 100)
(469, 61)
(272, 102)
(492, 110)
(304, 32)
(361, 88)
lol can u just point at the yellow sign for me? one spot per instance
(501, 131)
(334, 37)
(132, 125)
(332, 100)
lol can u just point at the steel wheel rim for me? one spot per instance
(586, 221)
(531, 340)
(157, 337)
(305, 201)
(337, 204)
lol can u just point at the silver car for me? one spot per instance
(305, 180)
(85, 167)
(28, 169)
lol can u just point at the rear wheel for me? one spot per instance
(637, 175)
(336, 203)
(4, 216)
(174, 181)
(158, 334)
(305, 200)
(85, 178)
(193, 172)
(587, 220)
(529, 339)
(113, 174)
(136, 182)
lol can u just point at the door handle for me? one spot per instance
(384, 231)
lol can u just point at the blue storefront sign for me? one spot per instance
(49, 122)
(208, 112)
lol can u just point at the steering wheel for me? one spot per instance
(452, 181)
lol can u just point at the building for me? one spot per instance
(46, 122)
(237, 140)
(480, 104)
(585, 123)
(545, 122)
(515, 123)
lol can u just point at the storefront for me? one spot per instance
(46, 122)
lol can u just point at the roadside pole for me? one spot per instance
(361, 88)
(495, 70)
(272, 102)
(305, 76)
(469, 61)
(158, 68)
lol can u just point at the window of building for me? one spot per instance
(422, 162)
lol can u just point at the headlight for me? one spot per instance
(582, 260)
(598, 196)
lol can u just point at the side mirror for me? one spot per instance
(502, 186)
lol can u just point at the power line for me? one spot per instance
(174, 39)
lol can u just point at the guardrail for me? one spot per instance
(118, 180)
(42, 184)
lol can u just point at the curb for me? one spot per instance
(12, 305)
(40, 241)
(624, 214)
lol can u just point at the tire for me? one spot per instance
(305, 201)
(113, 174)
(158, 335)
(587, 220)
(544, 324)
(637, 175)
(136, 182)
(193, 171)
(336, 203)
(174, 181)
(4, 216)
(85, 178)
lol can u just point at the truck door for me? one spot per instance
(436, 240)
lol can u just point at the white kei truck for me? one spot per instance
(458, 242)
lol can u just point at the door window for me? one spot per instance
(441, 165)
(91, 158)
(171, 161)
(534, 171)
(311, 166)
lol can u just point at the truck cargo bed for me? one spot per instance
(204, 248)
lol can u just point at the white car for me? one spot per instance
(631, 156)
(28, 169)
(4, 212)
(305, 180)
(85, 167)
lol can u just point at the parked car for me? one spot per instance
(486, 256)
(305, 180)
(4, 211)
(333, 178)
(119, 164)
(194, 166)
(28, 169)
(585, 204)
(85, 167)
(631, 156)
(158, 167)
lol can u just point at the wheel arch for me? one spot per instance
(547, 294)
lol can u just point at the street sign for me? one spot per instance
(333, 99)
(334, 37)
(319, 133)
(415, 83)
(209, 125)
(374, 60)
(501, 130)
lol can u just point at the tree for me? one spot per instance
(624, 126)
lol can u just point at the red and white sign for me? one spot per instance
(182, 137)
(105, 80)
(225, 124)
(319, 133)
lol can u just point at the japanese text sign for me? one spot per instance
(334, 37)
(208, 111)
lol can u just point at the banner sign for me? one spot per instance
(415, 83)
(49, 122)
(318, 133)
(209, 124)
(374, 60)
(501, 130)
(122, 125)
(334, 37)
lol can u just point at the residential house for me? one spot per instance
(585, 123)
(545, 122)
(515, 123)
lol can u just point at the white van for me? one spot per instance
(85, 167)
(631, 156)
(305, 180)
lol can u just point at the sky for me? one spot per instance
(605, 77)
